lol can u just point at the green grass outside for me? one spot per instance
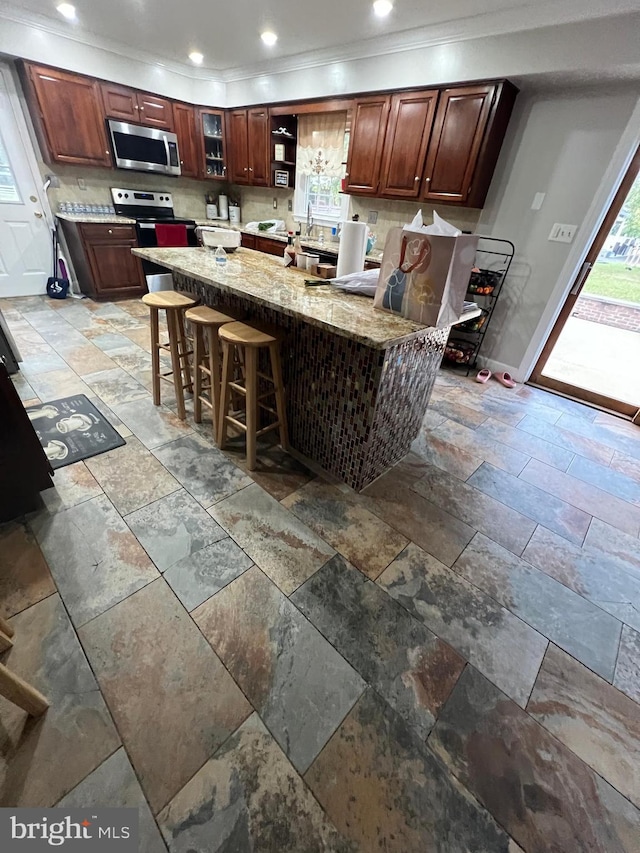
(614, 279)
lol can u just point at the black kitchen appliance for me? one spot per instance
(144, 149)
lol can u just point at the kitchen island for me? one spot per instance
(358, 380)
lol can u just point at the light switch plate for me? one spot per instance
(563, 233)
(373, 217)
(82, 184)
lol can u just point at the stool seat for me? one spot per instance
(167, 299)
(242, 334)
(205, 316)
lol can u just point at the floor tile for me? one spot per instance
(153, 425)
(133, 358)
(627, 677)
(132, 476)
(116, 317)
(457, 411)
(202, 469)
(197, 577)
(384, 789)
(536, 788)
(108, 340)
(612, 542)
(507, 408)
(337, 517)
(607, 581)
(86, 358)
(392, 500)
(566, 438)
(81, 318)
(276, 470)
(499, 644)
(556, 401)
(609, 435)
(616, 483)
(111, 416)
(24, 574)
(94, 558)
(503, 457)
(503, 524)
(432, 419)
(533, 446)
(284, 548)
(73, 485)
(114, 785)
(299, 684)
(561, 615)
(445, 456)
(590, 717)
(584, 496)
(40, 362)
(626, 465)
(42, 759)
(553, 513)
(408, 665)
(115, 386)
(248, 797)
(58, 384)
(145, 649)
(140, 336)
(173, 528)
(25, 391)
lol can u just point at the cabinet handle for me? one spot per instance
(110, 231)
(250, 169)
(417, 178)
(136, 107)
(426, 180)
(246, 169)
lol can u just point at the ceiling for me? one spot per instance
(228, 33)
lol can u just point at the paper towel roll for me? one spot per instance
(353, 248)
(223, 207)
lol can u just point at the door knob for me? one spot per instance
(37, 214)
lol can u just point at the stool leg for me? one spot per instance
(251, 384)
(13, 688)
(276, 371)
(5, 642)
(184, 358)
(172, 322)
(6, 628)
(227, 377)
(198, 357)
(155, 355)
(214, 368)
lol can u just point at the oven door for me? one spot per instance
(144, 149)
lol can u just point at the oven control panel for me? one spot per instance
(140, 198)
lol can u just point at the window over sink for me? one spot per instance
(323, 142)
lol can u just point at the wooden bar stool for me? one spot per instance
(12, 687)
(206, 361)
(248, 340)
(174, 304)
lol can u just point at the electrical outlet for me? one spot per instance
(290, 206)
(82, 183)
(373, 217)
(563, 233)
(275, 203)
(54, 181)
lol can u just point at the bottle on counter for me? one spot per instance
(220, 256)
(297, 247)
(289, 251)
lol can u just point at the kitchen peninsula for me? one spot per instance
(358, 380)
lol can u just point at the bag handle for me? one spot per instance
(421, 257)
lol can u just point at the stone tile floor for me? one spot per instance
(449, 661)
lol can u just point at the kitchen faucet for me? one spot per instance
(309, 219)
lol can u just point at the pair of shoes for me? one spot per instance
(504, 378)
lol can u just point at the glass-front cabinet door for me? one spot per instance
(214, 144)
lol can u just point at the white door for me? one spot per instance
(25, 237)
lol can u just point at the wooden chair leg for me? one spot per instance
(155, 355)
(276, 372)
(6, 628)
(227, 377)
(184, 358)
(172, 322)
(251, 384)
(198, 358)
(5, 642)
(13, 688)
(214, 369)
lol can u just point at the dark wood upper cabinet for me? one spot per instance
(125, 104)
(467, 135)
(184, 120)
(68, 118)
(249, 146)
(406, 142)
(368, 128)
(213, 144)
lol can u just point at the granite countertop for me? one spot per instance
(96, 218)
(263, 279)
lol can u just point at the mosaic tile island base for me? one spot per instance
(358, 381)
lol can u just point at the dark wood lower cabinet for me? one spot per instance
(102, 258)
(263, 244)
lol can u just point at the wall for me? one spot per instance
(560, 144)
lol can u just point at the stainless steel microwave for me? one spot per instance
(144, 149)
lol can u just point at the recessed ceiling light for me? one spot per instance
(67, 10)
(196, 57)
(269, 38)
(382, 8)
